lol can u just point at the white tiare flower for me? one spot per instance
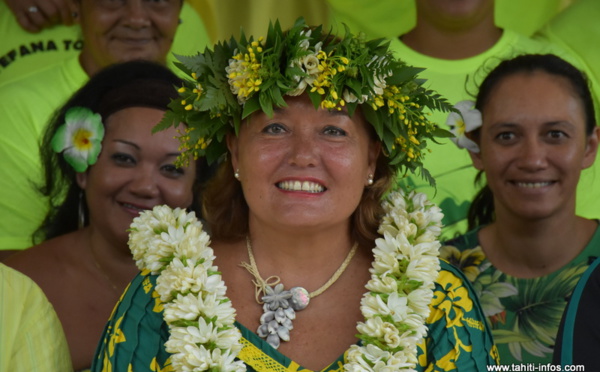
(466, 120)
(382, 284)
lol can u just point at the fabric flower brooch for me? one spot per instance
(466, 120)
(80, 138)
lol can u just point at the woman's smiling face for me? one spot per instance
(534, 145)
(303, 167)
(135, 171)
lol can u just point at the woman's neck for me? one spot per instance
(452, 43)
(534, 248)
(292, 254)
(112, 259)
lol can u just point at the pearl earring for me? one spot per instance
(370, 180)
(237, 174)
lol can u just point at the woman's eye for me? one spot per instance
(123, 159)
(334, 131)
(557, 134)
(172, 171)
(505, 136)
(274, 128)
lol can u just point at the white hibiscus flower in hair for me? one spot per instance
(466, 120)
(79, 138)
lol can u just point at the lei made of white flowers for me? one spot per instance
(200, 317)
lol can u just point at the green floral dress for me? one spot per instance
(524, 314)
(458, 338)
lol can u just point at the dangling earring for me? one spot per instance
(81, 212)
(370, 180)
(237, 174)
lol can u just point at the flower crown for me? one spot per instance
(79, 139)
(244, 76)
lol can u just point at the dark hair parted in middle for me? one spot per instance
(481, 211)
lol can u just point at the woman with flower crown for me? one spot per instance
(306, 267)
(531, 132)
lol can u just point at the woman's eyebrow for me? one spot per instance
(127, 143)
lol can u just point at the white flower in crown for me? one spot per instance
(466, 120)
(309, 64)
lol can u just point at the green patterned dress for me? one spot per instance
(524, 314)
(458, 338)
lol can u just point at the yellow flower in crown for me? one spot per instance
(237, 78)
(80, 138)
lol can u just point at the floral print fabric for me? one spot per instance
(458, 339)
(524, 314)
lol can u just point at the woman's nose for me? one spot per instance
(303, 150)
(533, 155)
(144, 184)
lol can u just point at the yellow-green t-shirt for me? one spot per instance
(390, 18)
(31, 336)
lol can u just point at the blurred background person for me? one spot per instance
(31, 337)
(84, 264)
(38, 34)
(390, 18)
(578, 338)
(528, 247)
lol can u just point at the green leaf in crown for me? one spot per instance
(237, 78)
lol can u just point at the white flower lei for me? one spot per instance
(201, 319)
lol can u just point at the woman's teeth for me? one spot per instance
(133, 207)
(301, 186)
(533, 184)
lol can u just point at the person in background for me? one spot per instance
(531, 134)
(114, 32)
(390, 18)
(572, 29)
(578, 338)
(31, 337)
(103, 166)
(40, 33)
(311, 129)
(457, 42)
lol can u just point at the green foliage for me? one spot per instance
(237, 78)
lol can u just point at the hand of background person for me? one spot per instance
(35, 15)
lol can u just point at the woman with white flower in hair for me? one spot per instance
(531, 132)
(103, 166)
(306, 266)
